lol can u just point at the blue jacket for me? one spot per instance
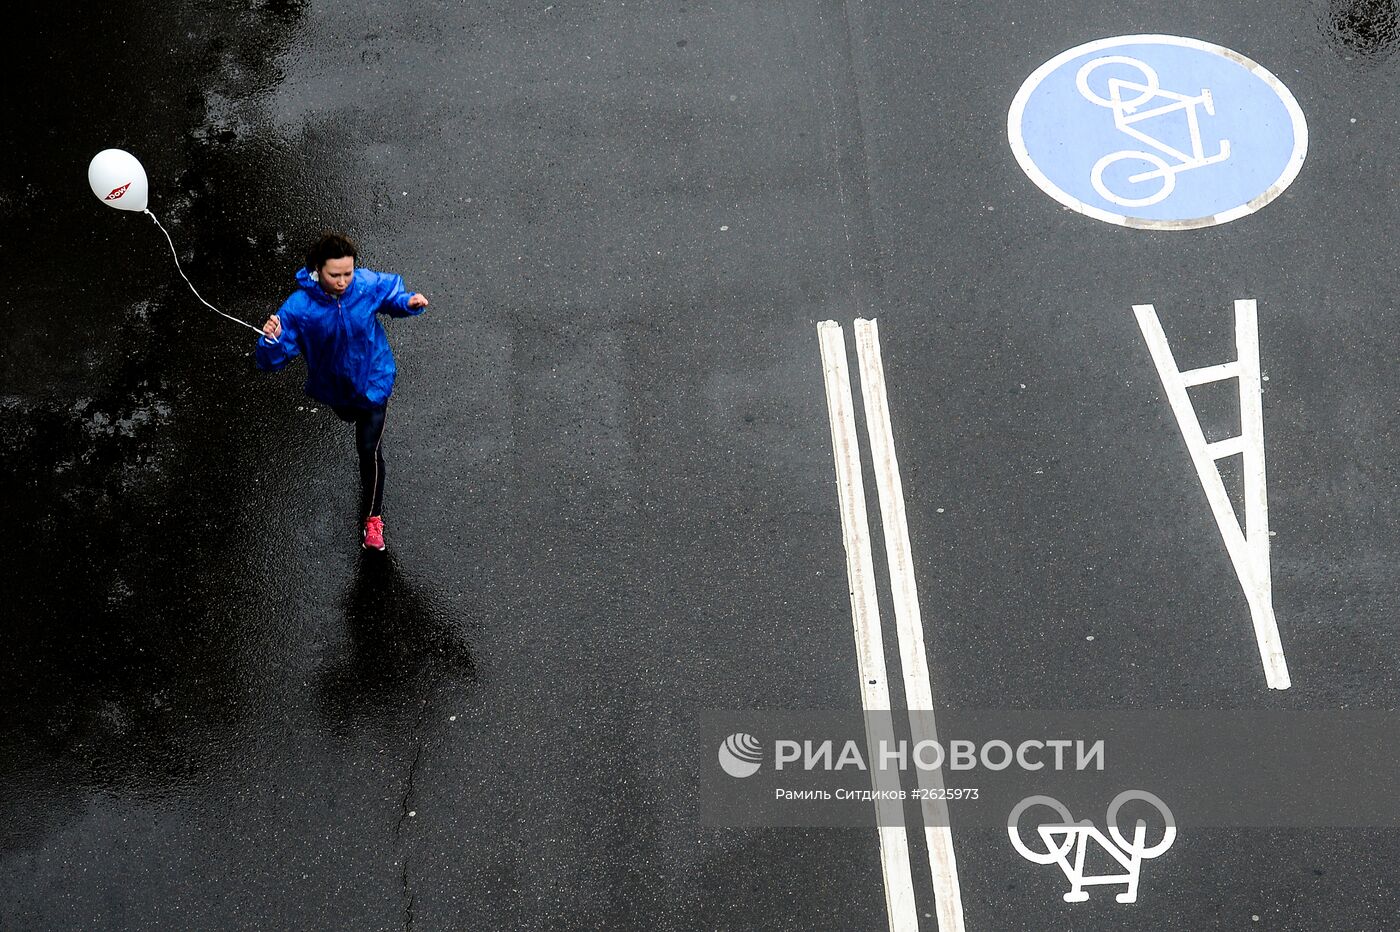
(348, 361)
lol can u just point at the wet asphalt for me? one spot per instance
(610, 492)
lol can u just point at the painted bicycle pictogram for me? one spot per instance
(1066, 843)
(1157, 132)
(1127, 99)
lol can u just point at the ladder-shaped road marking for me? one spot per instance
(1248, 546)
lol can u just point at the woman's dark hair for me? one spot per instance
(329, 246)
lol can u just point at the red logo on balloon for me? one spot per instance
(117, 192)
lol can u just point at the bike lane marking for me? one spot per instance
(1067, 843)
(1157, 132)
(895, 854)
(1247, 542)
(865, 612)
(918, 690)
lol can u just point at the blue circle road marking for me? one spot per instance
(1157, 132)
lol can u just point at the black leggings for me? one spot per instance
(369, 432)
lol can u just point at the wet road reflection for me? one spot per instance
(403, 642)
(610, 499)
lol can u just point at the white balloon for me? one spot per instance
(118, 179)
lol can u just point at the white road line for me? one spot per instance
(909, 622)
(1248, 546)
(1256, 501)
(865, 608)
(1226, 370)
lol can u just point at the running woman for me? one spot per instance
(333, 320)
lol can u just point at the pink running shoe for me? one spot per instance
(374, 533)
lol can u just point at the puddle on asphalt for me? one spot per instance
(1364, 30)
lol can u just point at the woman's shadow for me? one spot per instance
(403, 642)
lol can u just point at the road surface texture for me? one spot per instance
(611, 501)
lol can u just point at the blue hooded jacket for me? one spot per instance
(348, 361)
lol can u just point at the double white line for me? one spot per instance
(865, 614)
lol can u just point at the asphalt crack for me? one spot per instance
(407, 894)
(408, 791)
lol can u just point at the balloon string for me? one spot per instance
(211, 307)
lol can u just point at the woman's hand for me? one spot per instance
(273, 328)
(417, 301)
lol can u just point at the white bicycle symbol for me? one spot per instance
(1126, 114)
(1066, 835)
